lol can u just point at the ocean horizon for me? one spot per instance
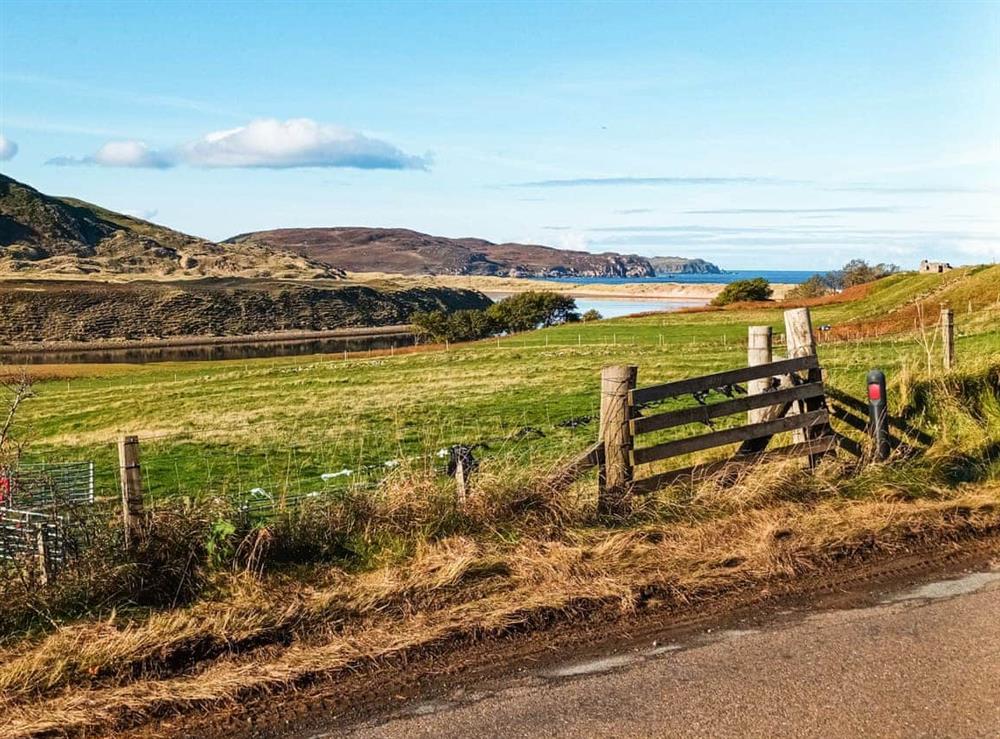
(776, 276)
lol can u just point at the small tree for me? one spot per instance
(533, 309)
(815, 287)
(859, 272)
(742, 291)
(591, 315)
(432, 324)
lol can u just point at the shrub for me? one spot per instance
(591, 315)
(461, 325)
(521, 312)
(533, 309)
(858, 272)
(744, 290)
(815, 287)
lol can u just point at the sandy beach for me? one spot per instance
(680, 291)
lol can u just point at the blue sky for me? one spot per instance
(770, 135)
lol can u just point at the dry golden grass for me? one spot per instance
(259, 636)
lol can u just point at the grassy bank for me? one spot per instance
(279, 424)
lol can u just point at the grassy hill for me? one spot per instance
(400, 250)
(63, 236)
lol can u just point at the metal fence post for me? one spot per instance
(878, 414)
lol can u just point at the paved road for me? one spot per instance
(924, 662)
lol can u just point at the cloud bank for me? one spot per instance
(265, 143)
(8, 149)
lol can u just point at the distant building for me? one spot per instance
(934, 267)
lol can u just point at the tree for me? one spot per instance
(591, 315)
(432, 324)
(744, 290)
(461, 325)
(859, 272)
(533, 309)
(815, 287)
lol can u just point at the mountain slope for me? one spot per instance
(41, 233)
(400, 250)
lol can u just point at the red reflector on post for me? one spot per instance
(874, 392)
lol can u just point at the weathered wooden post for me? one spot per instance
(616, 471)
(759, 351)
(131, 475)
(42, 552)
(948, 337)
(461, 464)
(801, 342)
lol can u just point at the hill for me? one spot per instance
(65, 236)
(683, 266)
(400, 250)
(78, 310)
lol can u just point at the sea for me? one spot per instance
(777, 276)
(615, 307)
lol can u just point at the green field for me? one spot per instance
(278, 424)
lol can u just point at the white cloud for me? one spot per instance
(298, 142)
(128, 153)
(262, 143)
(8, 149)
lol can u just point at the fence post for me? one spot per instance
(759, 351)
(131, 475)
(42, 553)
(616, 472)
(878, 414)
(801, 342)
(948, 337)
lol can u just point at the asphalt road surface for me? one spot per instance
(923, 662)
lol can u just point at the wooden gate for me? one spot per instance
(778, 396)
(790, 403)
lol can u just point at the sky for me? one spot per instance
(755, 135)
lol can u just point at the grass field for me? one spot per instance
(210, 613)
(279, 424)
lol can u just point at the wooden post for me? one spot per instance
(759, 351)
(616, 472)
(799, 333)
(461, 482)
(948, 337)
(461, 465)
(801, 342)
(42, 552)
(131, 475)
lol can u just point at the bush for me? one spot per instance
(521, 312)
(461, 325)
(591, 315)
(744, 290)
(859, 272)
(815, 287)
(531, 310)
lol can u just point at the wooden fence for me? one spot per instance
(777, 396)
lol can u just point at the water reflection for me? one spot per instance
(207, 352)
